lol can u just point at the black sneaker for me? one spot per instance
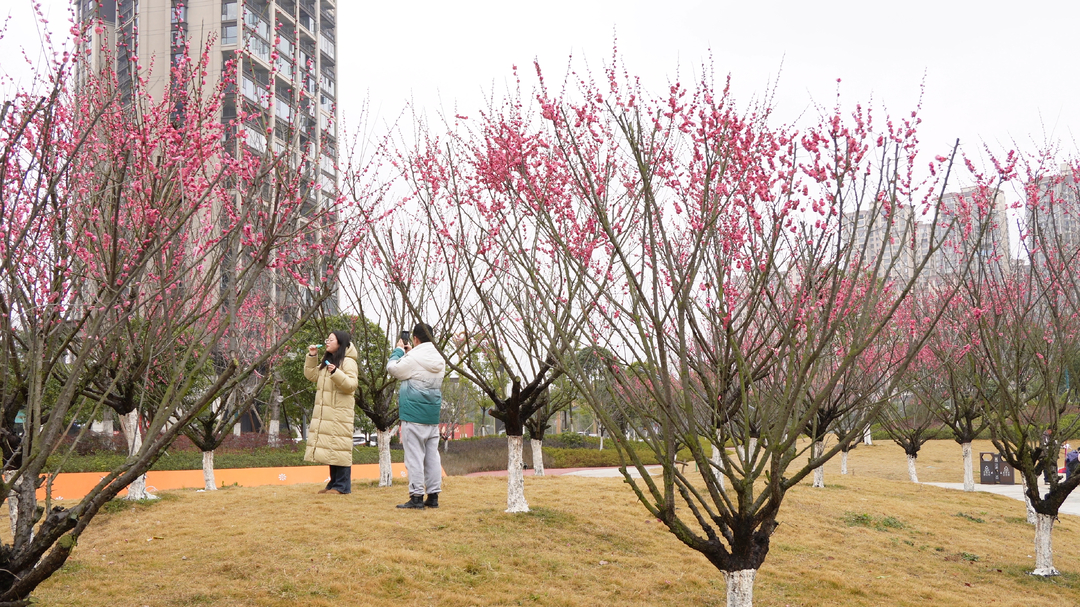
(415, 501)
(432, 500)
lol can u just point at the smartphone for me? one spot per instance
(404, 337)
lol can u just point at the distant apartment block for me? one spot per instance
(913, 235)
(1055, 221)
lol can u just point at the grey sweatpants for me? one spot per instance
(422, 460)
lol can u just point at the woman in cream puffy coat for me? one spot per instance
(330, 433)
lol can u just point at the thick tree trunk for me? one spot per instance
(969, 477)
(843, 462)
(386, 471)
(129, 424)
(273, 439)
(13, 504)
(740, 587)
(273, 427)
(236, 428)
(911, 468)
(819, 472)
(718, 460)
(538, 456)
(515, 479)
(866, 437)
(208, 471)
(1027, 503)
(1044, 548)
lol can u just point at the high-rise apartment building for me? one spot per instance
(912, 233)
(1054, 222)
(988, 241)
(285, 56)
(285, 53)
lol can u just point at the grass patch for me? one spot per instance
(969, 517)
(586, 542)
(118, 505)
(881, 523)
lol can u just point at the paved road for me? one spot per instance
(1071, 505)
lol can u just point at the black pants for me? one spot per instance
(340, 479)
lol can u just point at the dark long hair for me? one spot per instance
(335, 358)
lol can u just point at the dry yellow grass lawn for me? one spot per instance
(587, 542)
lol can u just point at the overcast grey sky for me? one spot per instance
(995, 72)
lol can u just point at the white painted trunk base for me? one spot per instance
(236, 429)
(274, 428)
(866, 436)
(386, 472)
(515, 479)
(1027, 502)
(538, 456)
(843, 462)
(13, 504)
(208, 471)
(129, 423)
(819, 472)
(969, 476)
(912, 474)
(1044, 547)
(740, 587)
(718, 460)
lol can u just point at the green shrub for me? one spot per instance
(589, 458)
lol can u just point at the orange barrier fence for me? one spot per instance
(75, 485)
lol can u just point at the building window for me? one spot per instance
(326, 45)
(228, 33)
(259, 47)
(228, 11)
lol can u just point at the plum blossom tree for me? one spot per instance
(131, 237)
(495, 285)
(737, 266)
(1025, 318)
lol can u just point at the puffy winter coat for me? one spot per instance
(421, 373)
(330, 433)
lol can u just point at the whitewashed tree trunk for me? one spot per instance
(740, 587)
(969, 477)
(273, 427)
(866, 436)
(843, 462)
(1031, 515)
(386, 471)
(236, 428)
(819, 472)
(208, 471)
(911, 468)
(129, 423)
(1044, 548)
(13, 504)
(515, 479)
(718, 460)
(538, 456)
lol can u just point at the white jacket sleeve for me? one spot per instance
(401, 366)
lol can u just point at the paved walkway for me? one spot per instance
(1071, 505)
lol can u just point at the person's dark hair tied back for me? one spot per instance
(423, 333)
(344, 340)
